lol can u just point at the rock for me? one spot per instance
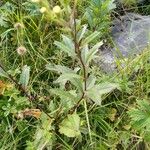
(131, 2)
(130, 35)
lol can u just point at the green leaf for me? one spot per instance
(66, 46)
(94, 95)
(84, 53)
(91, 81)
(96, 92)
(2, 73)
(90, 38)
(77, 83)
(67, 77)
(147, 136)
(70, 126)
(140, 116)
(3, 21)
(68, 98)
(24, 77)
(69, 43)
(62, 93)
(111, 4)
(93, 51)
(58, 68)
(8, 7)
(43, 136)
(107, 87)
(89, 16)
(81, 33)
(87, 55)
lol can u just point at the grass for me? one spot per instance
(32, 118)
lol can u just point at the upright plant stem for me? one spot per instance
(77, 47)
(78, 52)
(87, 119)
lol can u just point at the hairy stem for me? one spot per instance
(77, 47)
(78, 52)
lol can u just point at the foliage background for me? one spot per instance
(85, 108)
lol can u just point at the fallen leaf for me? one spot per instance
(127, 127)
(32, 112)
(2, 87)
(112, 115)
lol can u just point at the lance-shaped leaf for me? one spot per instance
(88, 55)
(93, 51)
(58, 68)
(70, 126)
(24, 77)
(66, 46)
(81, 33)
(84, 53)
(91, 81)
(90, 38)
(69, 43)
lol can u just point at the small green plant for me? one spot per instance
(140, 119)
(98, 15)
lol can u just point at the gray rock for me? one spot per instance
(130, 35)
(135, 1)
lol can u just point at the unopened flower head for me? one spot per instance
(56, 9)
(21, 50)
(43, 10)
(35, 1)
(18, 25)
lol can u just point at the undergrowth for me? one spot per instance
(53, 95)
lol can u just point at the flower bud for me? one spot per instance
(56, 9)
(43, 10)
(18, 25)
(21, 50)
(35, 1)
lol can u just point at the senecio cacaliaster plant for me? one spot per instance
(77, 85)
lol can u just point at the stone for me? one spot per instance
(130, 35)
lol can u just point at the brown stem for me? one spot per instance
(77, 50)
(20, 88)
(17, 84)
(72, 110)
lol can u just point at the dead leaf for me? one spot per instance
(112, 115)
(127, 127)
(4, 86)
(32, 112)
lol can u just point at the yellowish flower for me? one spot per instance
(43, 10)
(56, 9)
(35, 1)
